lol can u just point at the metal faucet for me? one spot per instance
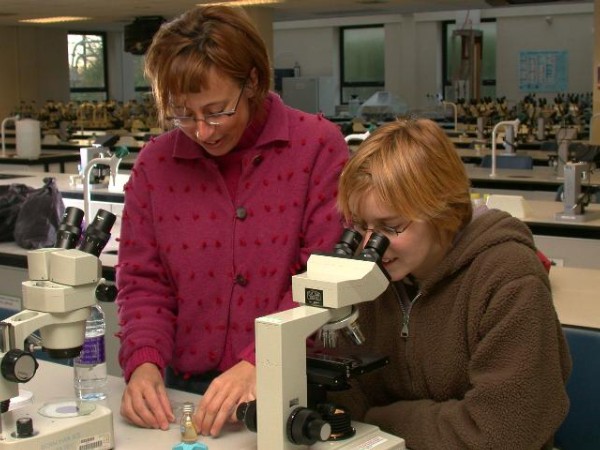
(113, 162)
(515, 124)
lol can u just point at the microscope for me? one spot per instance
(573, 199)
(64, 282)
(329, 292)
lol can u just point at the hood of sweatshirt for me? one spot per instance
(490, 229)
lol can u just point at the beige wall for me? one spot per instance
(570, 32)
(34, 66)
(413, 52)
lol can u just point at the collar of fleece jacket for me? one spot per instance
(493, 229)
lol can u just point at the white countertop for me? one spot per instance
(576, 294)
(128, 437)
(539, 174)
(540, 211)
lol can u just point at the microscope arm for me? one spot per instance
(56, 329)
(281, 369)
(17, 328)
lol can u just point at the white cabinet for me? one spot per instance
(309, 94)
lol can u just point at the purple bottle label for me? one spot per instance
(93, 351)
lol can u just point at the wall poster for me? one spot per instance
(543, 71)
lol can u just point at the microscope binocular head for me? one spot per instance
(341, 280)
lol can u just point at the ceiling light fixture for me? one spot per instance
(55, 19)
(243, 2)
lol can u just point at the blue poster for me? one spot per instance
(543, 71)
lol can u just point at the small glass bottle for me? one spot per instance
(186, 426)
(189, 435)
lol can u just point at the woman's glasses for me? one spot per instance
(389, 232)
(213, 120)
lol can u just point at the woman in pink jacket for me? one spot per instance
(220, 212)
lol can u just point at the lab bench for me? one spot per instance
(540, 179)
(569, 243)
(62, 156)
(48, 161)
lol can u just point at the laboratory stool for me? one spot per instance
(581, 428)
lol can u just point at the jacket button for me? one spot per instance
(241, 213)
(257, 160)
(241, 280)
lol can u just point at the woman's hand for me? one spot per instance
(225, 393)
(145, 402)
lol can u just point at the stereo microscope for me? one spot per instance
(328, 292)
(63, 284)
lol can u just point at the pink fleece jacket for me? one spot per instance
(197, 265)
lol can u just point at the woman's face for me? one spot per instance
(217, 133)
(413, 251)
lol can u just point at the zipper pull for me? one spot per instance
(404, 332)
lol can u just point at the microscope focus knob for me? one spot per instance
(305, 427)
(106, 292)
(18, 366)
(24, 427)
(246, 413)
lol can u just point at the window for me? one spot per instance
(87, 66)
(454, 69)
(141, 86)
(362, 52)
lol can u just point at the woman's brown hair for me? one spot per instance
(203, 38)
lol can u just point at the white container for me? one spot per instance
(29, 141)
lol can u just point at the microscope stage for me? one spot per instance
(366, 437)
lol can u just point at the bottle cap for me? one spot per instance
(190, 446)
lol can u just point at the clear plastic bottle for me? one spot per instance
(90, 367)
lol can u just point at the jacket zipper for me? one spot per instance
(406, 312)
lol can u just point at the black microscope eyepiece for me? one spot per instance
(69, 230)
(97, 233)
(375, 247)
(348, 243)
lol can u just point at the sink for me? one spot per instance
(8, 176)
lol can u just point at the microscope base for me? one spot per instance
(577, 218)
(94, 430)
(367, 436)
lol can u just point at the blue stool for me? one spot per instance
(581, 428)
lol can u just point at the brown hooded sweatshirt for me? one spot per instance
(483, 361)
